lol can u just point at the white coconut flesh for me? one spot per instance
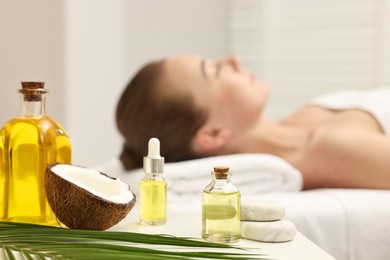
(95, 182)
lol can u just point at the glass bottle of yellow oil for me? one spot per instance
(29, 143)
(153, 187)
(221, 203)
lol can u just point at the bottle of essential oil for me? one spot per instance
(153, 187)
(29, 143)
(221, 208)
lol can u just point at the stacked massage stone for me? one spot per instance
(263, 221)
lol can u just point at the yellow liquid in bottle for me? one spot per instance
(27, 146)
(221, 217)
(153, 202)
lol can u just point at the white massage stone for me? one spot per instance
(261, 210)
(271, 231)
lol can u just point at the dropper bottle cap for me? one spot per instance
(153, 162)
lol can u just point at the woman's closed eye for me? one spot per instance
(228, 63)
(218, 69)
(215, 68)
(220, 66)
(210, 68)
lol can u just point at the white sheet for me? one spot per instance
(349, 224)
(368, 222)
(319, 216)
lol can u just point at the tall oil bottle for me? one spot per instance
(28, 143)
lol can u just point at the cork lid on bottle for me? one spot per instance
(221, 172)
(33, 90)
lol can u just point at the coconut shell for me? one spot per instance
(78, 208)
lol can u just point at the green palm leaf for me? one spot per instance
(29, 241)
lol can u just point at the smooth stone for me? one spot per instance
(271, 231)
(261, 210)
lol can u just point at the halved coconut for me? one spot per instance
(84, 198)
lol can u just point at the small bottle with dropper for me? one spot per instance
(153, 187)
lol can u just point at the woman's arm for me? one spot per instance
(347, 159)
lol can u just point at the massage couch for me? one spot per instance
(349, 224)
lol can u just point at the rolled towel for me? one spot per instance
(270, 231)
(252, 174)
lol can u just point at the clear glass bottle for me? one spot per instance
(221, 203)
(29, 143)
(153, 187)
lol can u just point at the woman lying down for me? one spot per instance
(199, 107)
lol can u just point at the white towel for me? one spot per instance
(251, 173)
(374, 101)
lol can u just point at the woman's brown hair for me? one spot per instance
(145, 110)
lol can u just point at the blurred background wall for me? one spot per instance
(87, 50)
(31, 48)
(302, 48)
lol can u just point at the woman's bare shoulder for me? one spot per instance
(344, 157)
(308, 116)
(318, 118)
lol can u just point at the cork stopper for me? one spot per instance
(33, 90)
(221, 172)
(32, 84)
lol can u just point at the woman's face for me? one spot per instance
(231, 95)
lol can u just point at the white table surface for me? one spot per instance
(189, 224)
